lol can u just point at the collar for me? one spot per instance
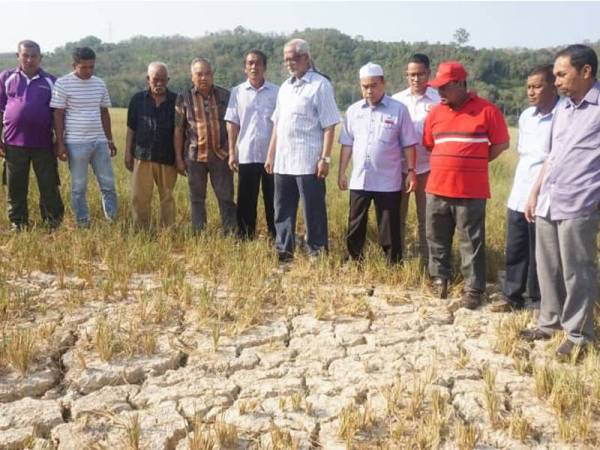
(195, 91)
(427, 94)
(537, 112)
(39, 74)
(383, 102)
(307, 77)
(592, 96)
(248, 85)
(168, 93)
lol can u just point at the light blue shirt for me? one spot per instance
(377, 136)
(418, 107)
(305, 107)
(251, 109)
(534, 132)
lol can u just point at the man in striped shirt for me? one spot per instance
(464, 133)
(201, 148)
(83, 133)
(299, 153)
(26, 119)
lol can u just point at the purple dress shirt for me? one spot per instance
(571, 185)
(25, 104)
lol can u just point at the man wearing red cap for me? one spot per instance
(464, 133)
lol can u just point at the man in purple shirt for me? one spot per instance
(26, 119)
(565, 202)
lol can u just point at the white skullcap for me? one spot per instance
(370, 70)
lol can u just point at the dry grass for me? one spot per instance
(19, 349)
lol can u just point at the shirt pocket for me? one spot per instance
(387, 131)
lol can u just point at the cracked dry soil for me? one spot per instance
(293, 373)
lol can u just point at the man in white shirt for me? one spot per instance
(249, 127)
(377, 132)
(534, 131)
(419, 99)
(83, 133)
(299, 153)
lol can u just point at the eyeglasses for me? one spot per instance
(416, 74)
(293, 58)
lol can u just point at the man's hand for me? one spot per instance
(128, 161)
(2, 149)
(113, 149)
(530, 208)
(181, 166)
(411, 182)
(60, 151)
(322, 169)
(233, 163)
(269, 165)
(343, 182)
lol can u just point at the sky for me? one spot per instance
(490, 24)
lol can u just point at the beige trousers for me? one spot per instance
(145, 175)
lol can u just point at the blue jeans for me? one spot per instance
(288, 191)
(97, 154)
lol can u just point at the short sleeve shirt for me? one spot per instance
(305, 107)
(81, 100)
(377, 136)
(460, 142)
(152, 127)
(251, 109)
(534, 132)
(418, 107)
(25, 104)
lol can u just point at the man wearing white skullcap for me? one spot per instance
(377, 130)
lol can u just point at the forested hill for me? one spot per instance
(497, 74)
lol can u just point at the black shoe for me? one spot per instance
(285, 257)
(439, 286)
(534, 334)
(504, 305)
(472, 299)
(568, 349)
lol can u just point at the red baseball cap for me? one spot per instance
(448, 71)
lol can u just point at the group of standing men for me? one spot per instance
(436, 144)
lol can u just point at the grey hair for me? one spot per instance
(300, 46)
(155, 65)
(200, 60)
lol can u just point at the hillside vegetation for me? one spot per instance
(497, 74)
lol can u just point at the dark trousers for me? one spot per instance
(221, 179)
(288, 191)
(387, 211)
(467, 216)
(250, 178)
(521, 272)
(45, 167)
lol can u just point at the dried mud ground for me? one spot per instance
(368, 367)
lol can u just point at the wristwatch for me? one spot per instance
(326, 159)
(410, 169)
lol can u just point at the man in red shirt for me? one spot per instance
(464, 132)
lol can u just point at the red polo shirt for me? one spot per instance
(460, 143)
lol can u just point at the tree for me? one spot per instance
(461, 36)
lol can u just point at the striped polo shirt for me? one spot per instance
(305, 106)
(460, 147)
(81, 100)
